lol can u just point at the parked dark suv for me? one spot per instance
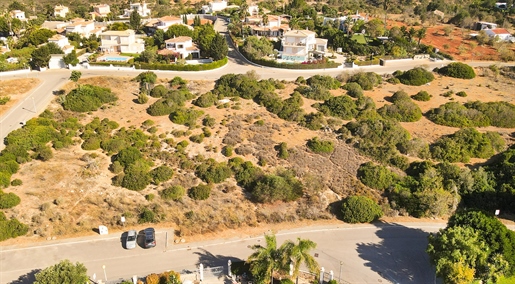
(150, 238)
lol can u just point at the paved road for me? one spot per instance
(369, 253)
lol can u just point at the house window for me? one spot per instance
(180, 46)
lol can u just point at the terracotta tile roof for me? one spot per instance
(179, 39)
(299, 33)
(202, 22)
(500, 31)
(169, 19)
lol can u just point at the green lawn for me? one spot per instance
(505, 280)
(359, 38)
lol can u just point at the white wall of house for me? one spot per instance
(61, 11)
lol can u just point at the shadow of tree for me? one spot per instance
(28, 278)
(400, 257)
(210, 260)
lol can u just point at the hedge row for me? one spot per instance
(275, 64)
(173, 67)
(374, 61)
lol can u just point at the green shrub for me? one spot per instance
(283, 150)
(150, 197)
(136, 177)
(465, 144)
(342, 106)
(212, 172)
(417, 76)
(315, 92)
(4, 100)
(206, 100)
(158, 91)
(161, 174)
(147, 216)
(367, 80)
(457, 70)
(422, 96)
(11, 228)
(208, 121)
(325, 81)
(43, 153)
(270, 188)
(16, 182)
(200, 192)
(174, 193)
(88, 98)
(90, 144)
(403, 108)
(360, 209)
(5, 179)
(128, 156)
(376, 176)
(461, 94)
(9, 166)
(456, 115)
(186, 117)
(353, 89)
(197, 138)
(8, 200)
(162, 107)
(227, 151)
(142, 98)
(320, 146)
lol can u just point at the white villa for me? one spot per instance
(17, 14)
(343, 19)
(214, 6)
(182, 45)
(164, 23)
(82, 27)
(121, 41)
(141, 8)
(302, 45)
(275, 27)
(101, 10)
(62, 42)
(61, 11)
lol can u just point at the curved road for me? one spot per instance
(378, 253)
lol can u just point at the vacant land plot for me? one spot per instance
(16, 89)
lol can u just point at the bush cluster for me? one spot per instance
(200, 192)
(422, 96)
(403, 108)
(175, 193)
(465, 144)
(281, 186)
(474, 114)
(324, 81)
(415, 77)
(353, 89)
(212, 172)
(360, 209)
(376, 176)
(320, 146)
(457, 70)
(88, 98)
(11, 228)
(367, 80)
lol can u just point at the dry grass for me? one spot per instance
(78, 194)
(16, 89)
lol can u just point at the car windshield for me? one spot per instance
(131, 238)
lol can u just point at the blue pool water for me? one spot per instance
(116, 58)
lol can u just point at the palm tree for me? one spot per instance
(267, 261)
(299, 254)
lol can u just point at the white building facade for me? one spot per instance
(61, 11)
(302, 45)
(121, 41)
(141, 8)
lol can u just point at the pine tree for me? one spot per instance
(219, 48)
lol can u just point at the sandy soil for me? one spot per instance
(16, 89)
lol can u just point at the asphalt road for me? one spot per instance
(378, 253)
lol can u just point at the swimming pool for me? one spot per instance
(114, 58)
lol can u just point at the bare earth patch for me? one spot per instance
(16, 89)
